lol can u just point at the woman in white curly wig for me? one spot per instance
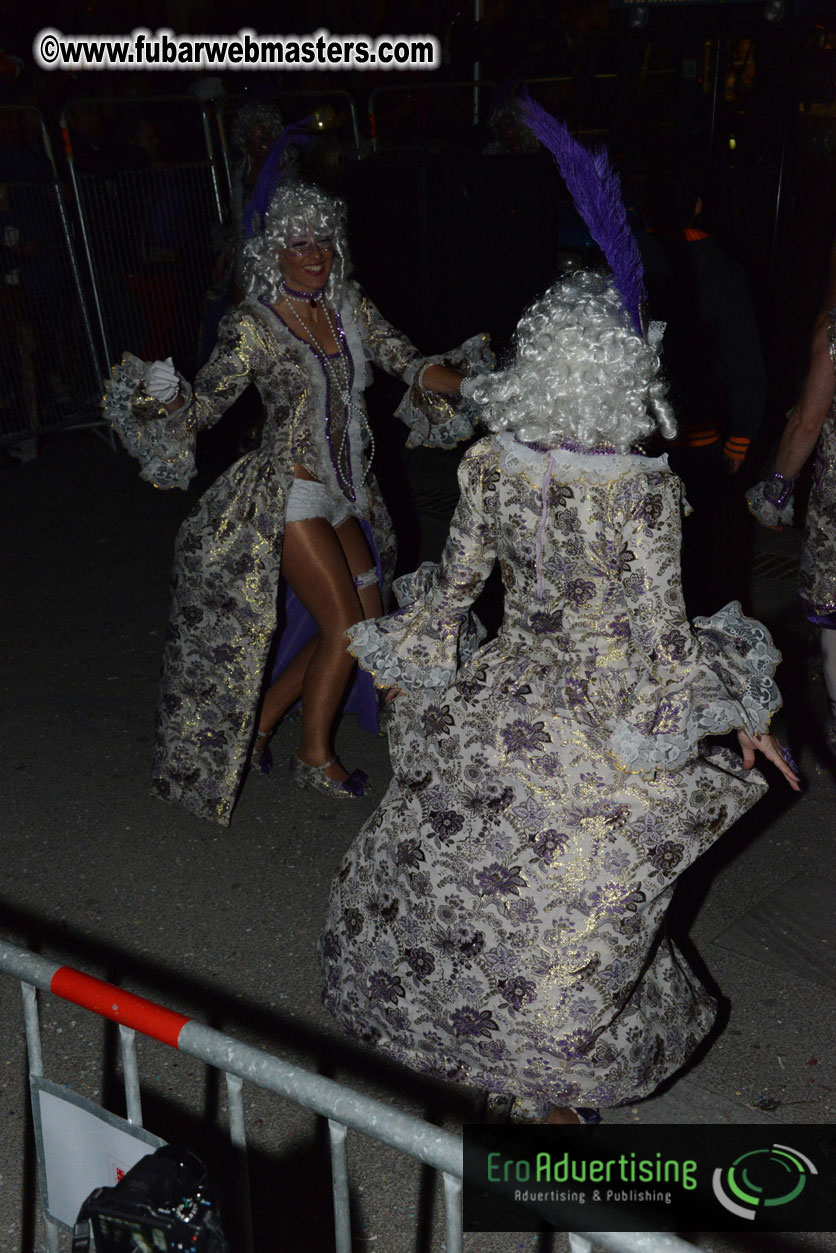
(500, 918)
(304, 505)
(579, 376)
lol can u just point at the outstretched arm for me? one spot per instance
(421, 644)
(219, 383)
(386, 346)
(155, 414)
(394, 352)
(804, 427)
(771, 501)
(699, 679)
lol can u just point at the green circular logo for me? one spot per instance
(761, 1179)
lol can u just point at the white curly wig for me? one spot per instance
(580, 373)
(298, 209)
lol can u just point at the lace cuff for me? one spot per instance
(765, 511)
(736, 689)
(440, 421)
(418, 646)
(163, 443)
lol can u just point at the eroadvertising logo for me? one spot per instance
(768, 1177)
(650, 1178)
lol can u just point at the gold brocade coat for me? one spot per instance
(228, 552)
(499, 920)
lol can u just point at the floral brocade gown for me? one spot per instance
(227, 562)
(817, 573)
(499, 920)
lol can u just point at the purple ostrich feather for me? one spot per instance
(272, 174)
(596, 190)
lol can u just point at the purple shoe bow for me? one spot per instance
(356, 783)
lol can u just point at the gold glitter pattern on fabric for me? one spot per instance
(228, 555)
(500, 918)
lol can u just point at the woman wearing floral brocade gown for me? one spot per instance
(500, 919)
(304, 506)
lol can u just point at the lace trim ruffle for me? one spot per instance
(517, 458)
(736, 690)
(416, 647)
(162, 442)
(435, 420)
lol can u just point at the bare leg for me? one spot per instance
(359, 558)
(315, 566)
(286, 689)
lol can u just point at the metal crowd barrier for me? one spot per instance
(147, 233)
(344, 1108)
(49, 373)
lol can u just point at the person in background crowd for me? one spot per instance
(712, 356)
(811, 429)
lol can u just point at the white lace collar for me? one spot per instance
(516, 458)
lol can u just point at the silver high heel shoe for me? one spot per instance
(356, 785)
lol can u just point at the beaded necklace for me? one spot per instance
(308, 297)
(338, 369)
(568, 445)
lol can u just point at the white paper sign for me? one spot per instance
(82, 1147)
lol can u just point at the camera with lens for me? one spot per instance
(161, 1206)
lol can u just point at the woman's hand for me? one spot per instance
(772, 750)
(163, 383)
(440, 378)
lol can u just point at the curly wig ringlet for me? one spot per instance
(580, 373)
(297, 210)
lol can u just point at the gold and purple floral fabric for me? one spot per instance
(500, 918)
(817, 575)
(228, 556)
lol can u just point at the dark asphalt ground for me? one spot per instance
(222, 924)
